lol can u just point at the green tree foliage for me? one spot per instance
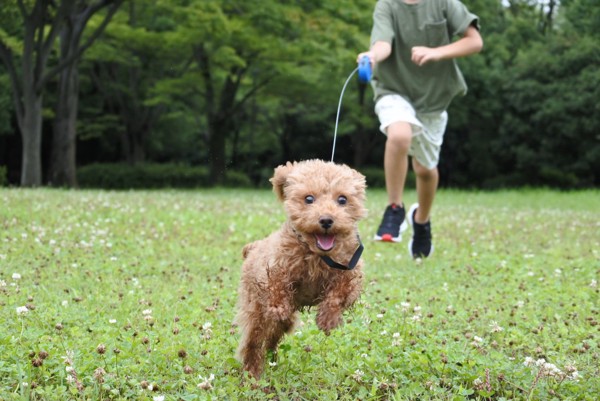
(532, 110)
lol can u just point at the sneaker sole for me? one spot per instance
(409, 216)
(389, 238)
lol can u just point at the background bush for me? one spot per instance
(376, 177)
(151, 176)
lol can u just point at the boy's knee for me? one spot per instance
(422, 171)
(399, 135)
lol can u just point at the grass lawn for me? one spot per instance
(131, 295)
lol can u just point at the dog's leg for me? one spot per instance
(251, 350)
(339, 296)
(278, 331)
(280, 291)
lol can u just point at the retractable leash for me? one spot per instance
(364, 75)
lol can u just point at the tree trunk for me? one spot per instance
(138, 149)
(63, 171)
(363, 141)
(31, 134)
(216, 150)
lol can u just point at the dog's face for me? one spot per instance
(323, 200)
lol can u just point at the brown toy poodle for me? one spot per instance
(313, 259)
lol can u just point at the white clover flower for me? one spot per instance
(206, 382)
(272, 364)
(69, 369)
(22, 310)
(396, 335)
(64, 303)
(147, 312)
(158, 398)
(416, 318)
(358, 375)
(478, 339)
(68, 359)
(2, 283)
(380, 316)
(112, 321)
(495, 327)
(16, 276)
(207, 326)
(594, 283)
(383, 333)
(417, 309)
(572, 373)
(528, 361)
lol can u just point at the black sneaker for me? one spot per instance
(420, 245)
(392, 225)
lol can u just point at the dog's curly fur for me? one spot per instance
(284, 272)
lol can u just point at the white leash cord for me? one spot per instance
(337, 118)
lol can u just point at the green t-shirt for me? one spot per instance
(431, 23)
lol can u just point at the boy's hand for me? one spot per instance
(369, 54)
(422, 55)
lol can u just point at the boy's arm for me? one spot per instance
(470, 43)
(379, 51)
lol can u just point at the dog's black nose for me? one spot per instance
(326, 222)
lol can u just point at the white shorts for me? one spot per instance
(427, 128)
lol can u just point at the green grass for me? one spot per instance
(131, 295)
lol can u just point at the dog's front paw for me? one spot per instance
(279, 312)
(328, 320)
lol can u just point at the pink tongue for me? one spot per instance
(325, 242)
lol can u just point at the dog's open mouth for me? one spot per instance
(325, 242)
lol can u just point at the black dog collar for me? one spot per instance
(353, 261)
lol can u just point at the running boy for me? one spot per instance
(415, 78)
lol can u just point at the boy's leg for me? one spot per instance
(397, 118)
(427, 183)
(395, 162)
(421, 246)
(425, 150)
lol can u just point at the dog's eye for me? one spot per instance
(309, 199)
(342, 200)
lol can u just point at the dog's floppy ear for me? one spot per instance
(280, 177)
